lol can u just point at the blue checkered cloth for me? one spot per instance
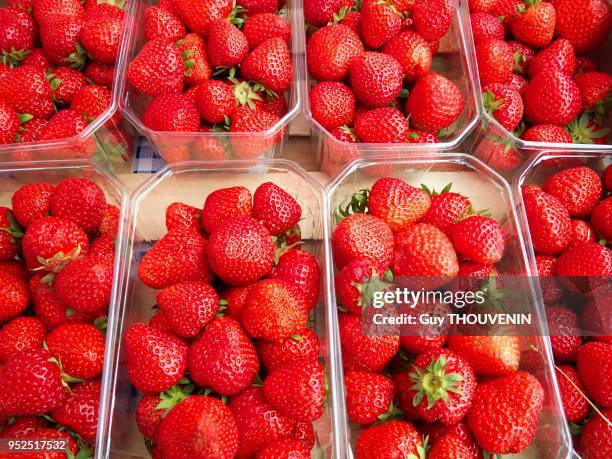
(146, 160)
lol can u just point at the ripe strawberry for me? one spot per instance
(198, 15)
(368, 396)
(390, 439)
(301, 269)
(356, 283)
(101, 37)
(321, 12)
(160, 23)
(223, 358)
(434, 103)
(418, 341)
(67, 83)
(594, 88)
(181, 216)
(504, 103)
(177, 257)
(17, 31)
(100, 74)
(269, 64)
(27, 90)
(19, 335)
(575, 405)
(376, 79)
(261, 27)
(585, 23)
(235, 297)
(552, 98)
(80, 411)
(418, 136)
(583, 232)
(332, 104)
(549, 222)
(380, 21)
(364, 352)
(156, 359)
(301, 348)
(30, 130)
(10, 233)
(180, 432)
(16, 268)
(558, 56)
(23, 426)
(33, 384)
(382, 125)
(601, 219)
(412, 52)
(85, 284)
(495, 61)
(245, 119)
(595, 440)
(485, 26)
(546, 268)
(479, 239)
(504, 412)
(227, 45)
(62, 125)
(446, 208)
(157, 69)
(9, 123)
(224, 204)
(297, 391)
(37, 59)
(91, 101)
(79, 348)
(149, 414)
(79, 200)
(535, 23)
(506, 10)
(547, 133)
(331, 51)
(432, 18)
(274, 309)
(215, 100)
(523, 55)
(276, 209)
(577, 188)
(564, 332)
(362, 236)
(488, 355)
(286, 446)
(171, 112)
(586, 262)
(593, 363)
(42, 8)
(451, 446)
(59, 35)
(258, 423)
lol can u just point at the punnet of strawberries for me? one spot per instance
(538, 67)
(228, 365)
(372, 62)
(570, 221)
(57, 67)
(57, 250)
(215, 65)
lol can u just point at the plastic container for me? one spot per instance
(102, 137)
(485, 189)
(454, 60)
(191, 182)
(181, 146)
(15, 175)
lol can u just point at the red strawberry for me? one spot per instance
(30, 131)
(42, 8)
(274, 309)
(451, 446)
(261, 27)
(33, 384)
(9, 124)
(390, 439)
(275, 208)
(575, 405)
(67, 83)
(583, 232)
(382, 125)
(331, 51)
(601, 219)
(180, 432)
(260, 6)
(80, 411)
(397, 203)
(595, 87)
(523, 55)
(270, 65)
(188, 306)
(227, 45)
(495, 61)
(258, 423)
(507, 10)
(485, 25)
(177, 257)
(160, 23)
(434, 103)
(320, 12)
(198, 15)
(584, 260)
(37, 59)
(356, 283)
(79, 200)
(286, 446)
(504, 412)
(535, 23)
(157, 69)
(380, 21)
(332, 104)
(235, 297)
(16, 268)
(79, 348)
(101, 38)
(549, 222)
(27, 90)
(584, 23)
(418, 136)
(488, 355)
(151, 409)
(85, 284)
(245, 119)
(362, 236)
(156, 360)
(412, 52)
(192, 49)
(368, 396)
(552, 97)
(547, 133)
(21, 334)
(18, 31)
(432, 18)
(215, 100)
(558, 56)
(223, 358)
(171, 112)
(181, 216)
(59, 35)
(300, 348)
(564, 332)
(376, 79)
(418, 341)
(504, 103)
(224, 204)
(23, 426)
(62, 125)
(297, 391)
(595, 440)
(546, 268)
(10, 233)
(301, 269)
(91, 101)
(479, 239)
(577, 188)
(593, 363)
(446, 208)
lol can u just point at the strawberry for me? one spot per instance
(446, 208)
(320, 12)
(261, 27)
(27, 90)
(159, 320)
(227, 45)
(332, 104)
(571, 389)
(593, 364)
(157, 69)
(495, 61)
(223, 358)
(149, 414)
(181, 216)
(397, 203)
(380, 21)
(558, 56)
(270, 65)
(188, 306)
(549, 222)
(607, 179)
(390, 439)
(235, 297)
(418, 136)
(10, 233)
(523, 55)
(304, 431)
(156, 359)
(547, 133)
(368, 396)
(376, 79)
(504, 412)
(479, 239)
(198, 15)
(252, 246)
(564, 332)
(67, 83)
(100, 74)
(30, 130)
(506, 10)
(177, 257)
(434, 103)
(36, 59)
(225, 204)
(274, 309)
(595, 87)
(297, 391)
(22, 427)
(62, 125)
(300, 348)
(504, 103)
(59, 35)
(79, 200)
(85, 284)
(486, 26)
(418, 341)
(432, 18)
(451, 446)
(602, 219)
(215, 100)
(535, 23)
(160, 23)
(382, 125)
(488, 355)
(91, 101)
(588, 259)
(16, 268)
(412, 52)
(101, 38)
(80, 411)
(276, 209)
(586, 129)
(364, 352)
(245, 119)
(9, 124)
(301, 269)
(546, 268)
(33, 384)
(585, 24)
(331, 51)
(258, 423)
(260, 6)
(17, 31)
(42, 8)
(362, 236)
(595, 440)
(583, 232)
(578, 189)
(181, 430)
(356, 284)
(21, 334)
(283, 447)
(171, 112)
(552, 97)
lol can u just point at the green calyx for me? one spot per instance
(434, 383)
(78, 58)
(357, 205)
(371, 286)
(585, 130)
(490, 102)
(393, 413)
(432, 191)
(422, 449)
(234, 17)
(340, 15)
(350, 131)
(56, 263)
(519, 61)
(13, 57)
(13, 229)
(244, 93)
(175, 395)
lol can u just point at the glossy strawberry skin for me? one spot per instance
(85, 284)
(432, 18)
(80, 410)
(488, 355)
(479, 238)
(602, 219)
(595, 440)
(334, 44)
(565, 339)
(261, 27)
(160, 23)
(157, 69)
(583, 23)
(376, 79)
(593, 363)
(215, 100)
(579, 189)
(181, 216)
(269, 64)
(594, 87)
(552, 98)
(198, 15)
(27, 90)
(549, 222)
(495, 61)
(445, 209)
(506, 104)
(368, 395)
(21, 334)
(80, 349)
(321, 12)
(380, 22)
(332, 104)
(292, 446)
(559, 55)
(485, 25)
(588, 259)
(275, 208)
(413, 53)
(227, 45)
(304, 347)
(547, 133)
(434, 103)
(395, 438)
(382, 125)
(224, 204)
(147, 416)
(535, 26)
(300, 268)
(575, 405)
(80, 200)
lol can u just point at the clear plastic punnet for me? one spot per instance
(488, 191)
(191, 183)
(217, 145)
